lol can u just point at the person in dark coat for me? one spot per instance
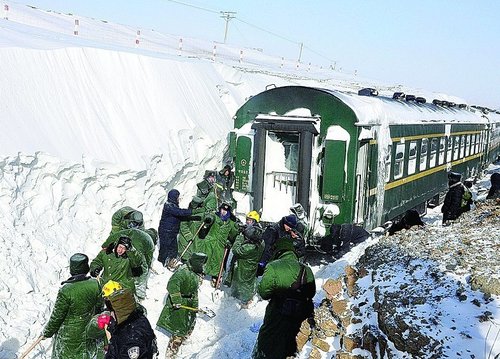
(342, 237)
(77, 301)
(170, 220)
(452, 206)
(410, 218)
(494, 192)
(182, 290)
(284, 229)
(131, 333)
(289, 286)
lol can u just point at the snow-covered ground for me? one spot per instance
(91, 124)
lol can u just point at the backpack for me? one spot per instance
(466, 197)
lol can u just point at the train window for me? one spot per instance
(449, 148)
(399, 162)
(423, 154)
(412, 161)
(476, 143)
(456, 147)
(467, 145)
(442, 151)
(434, 150)
(388, 159)
(462, 147)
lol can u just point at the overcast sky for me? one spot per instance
(448, 46)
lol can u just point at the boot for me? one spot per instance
(173, 346)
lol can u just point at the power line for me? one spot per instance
(194, 6)
(228, 15)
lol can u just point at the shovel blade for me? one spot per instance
(207, 313)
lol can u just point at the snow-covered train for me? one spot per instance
(353, 158)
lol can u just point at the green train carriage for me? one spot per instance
(352, 159)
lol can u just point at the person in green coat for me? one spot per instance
(77, 301)
(126, 217)
(182, 290)
(119, 262)
(223, 230)
(247, 250)
(144, 246)
(189, 230)
(289, 286)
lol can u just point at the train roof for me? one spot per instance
(376, 110)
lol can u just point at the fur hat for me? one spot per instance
(197, 262)
(78, 264)
(290, 221)
(225, 206)
(454, 177)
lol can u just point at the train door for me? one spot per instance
(282, 159)
(361, 183)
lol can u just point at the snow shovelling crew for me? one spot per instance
(289, 286)
(452, 205)
(97, 327)
(77, 301)
(169, 226)
(223, 230)
(120, 262)
(285, 229)
(247, 251)
(131, 333)
(178, 316)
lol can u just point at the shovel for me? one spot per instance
(208, 313)
(173, 266)
(32, 346)
(217, 292)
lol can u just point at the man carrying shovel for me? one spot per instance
(178, 316)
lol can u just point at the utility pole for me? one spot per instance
(227, 15)
(300, 51)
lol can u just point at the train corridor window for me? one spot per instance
(456, 147)
(462, 147)
(399, 162)
(442, 150)
(388, 159)
(412, 161)
(467, 145)
(434, 148)
(449, 146)
(423, 154)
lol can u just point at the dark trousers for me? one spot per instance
(168, 246)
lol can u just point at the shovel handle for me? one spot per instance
(31, 347)
(189, 244)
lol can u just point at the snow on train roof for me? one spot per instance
(376, 110)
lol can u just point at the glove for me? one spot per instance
(208, 220)
(103, 320)
(260, 268)
(228, 244)
(95, 272)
